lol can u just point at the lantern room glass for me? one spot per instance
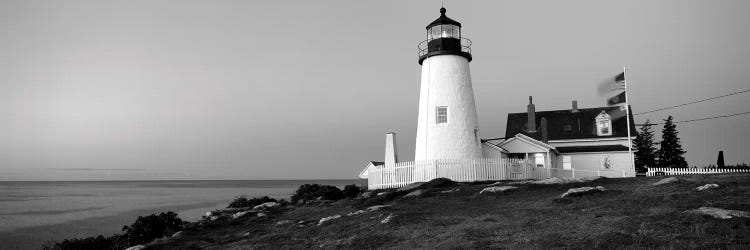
(444, 31)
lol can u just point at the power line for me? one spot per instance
(699, 119)
(708, 99)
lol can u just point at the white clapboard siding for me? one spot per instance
(684, 171)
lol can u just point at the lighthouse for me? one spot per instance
(447, 123)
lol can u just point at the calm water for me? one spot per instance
(34, 212)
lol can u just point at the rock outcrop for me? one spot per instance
(576, 192)
(719, 213)
(497, 189)
(665, 181)
(707, 186)
(324, 220)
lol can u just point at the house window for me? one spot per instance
(442, 114)
(539, 160)
(603, 124)
(567, 163)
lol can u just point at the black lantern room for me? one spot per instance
(444, 38)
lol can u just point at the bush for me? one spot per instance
(151, 227)
(312, 191)
(143, 230)
(243, 201)
(351, 191)
(99, 242)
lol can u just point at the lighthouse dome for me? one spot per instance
(443, 19)
(444, 38)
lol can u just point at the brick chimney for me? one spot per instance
(575, 107)
(531, 117)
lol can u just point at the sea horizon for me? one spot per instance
(33, 212)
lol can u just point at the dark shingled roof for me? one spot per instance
(601, 148)
(582, 124)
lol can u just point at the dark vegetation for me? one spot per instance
(143, 230)
(670, 153)
(645, 151)
(633, 214)
(308, 192)
(351, 191)
(243, 201)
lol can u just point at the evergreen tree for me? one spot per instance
(670, 153)
(645, 152)
(720, 160)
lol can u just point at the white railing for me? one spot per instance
(469, 170)
(683, 171)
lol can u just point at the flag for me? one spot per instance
(618, 84)
(618, 99)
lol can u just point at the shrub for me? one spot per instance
(351, 191)
(99, 242)
(313, 191)
(243, 201)
(151, 227)
(143, 230)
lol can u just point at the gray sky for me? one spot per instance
(95, 90)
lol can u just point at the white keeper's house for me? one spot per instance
(568, 143)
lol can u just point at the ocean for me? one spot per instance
(32, 213)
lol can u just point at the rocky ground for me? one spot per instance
(684, 212)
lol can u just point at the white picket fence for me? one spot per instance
(469, 170)
(684, 171)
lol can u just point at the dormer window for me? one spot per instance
(603, 124)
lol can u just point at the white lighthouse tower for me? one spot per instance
(447, 124)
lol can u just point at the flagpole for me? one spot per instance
(627, 118)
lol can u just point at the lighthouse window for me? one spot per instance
(444, 31)
(442, 114)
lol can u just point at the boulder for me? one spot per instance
(707, 186)
(665, 181)
(266, 205)
(261, 215)
(136, 247)
(415, 193)
(284, 222)
(239, 214)
(177, 234)
(246, 234)
(387, 219)
(719, 213)
(366, 195)
(332, 217)
(450, 191)
(410, 187)
(213, 218)
(498, 189)
(575, 192)
(356, 213)
(377, 207)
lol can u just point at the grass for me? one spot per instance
(633, 215)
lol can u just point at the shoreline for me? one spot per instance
(33, 237)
